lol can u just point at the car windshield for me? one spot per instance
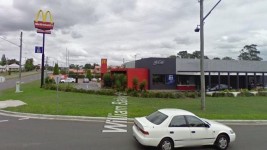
(157, 117)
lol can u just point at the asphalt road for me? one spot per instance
(32, 134)
(12, 82)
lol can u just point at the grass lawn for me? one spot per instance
(45, 102)
(16, 74)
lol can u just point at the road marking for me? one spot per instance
(117, 122)
(3, 121)
(23, 118)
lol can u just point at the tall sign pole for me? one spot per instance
(43, 27)
(43, 55)
(20, 55)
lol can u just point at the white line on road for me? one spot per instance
(3, 121)
(23, 118)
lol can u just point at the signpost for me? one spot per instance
(43, 27)
(57, 80)
(2, 79)
(38, 49)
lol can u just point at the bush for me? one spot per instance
(191, 94)
(229, 94)
(135, 83)
(107, 80)
(142, 85)
(218, 94)
(49, 80)
(179, 95)
(262, 93)
(245, 94)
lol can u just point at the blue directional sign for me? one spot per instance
(38, 49)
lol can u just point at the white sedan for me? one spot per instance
(68, 80)
(169, 128)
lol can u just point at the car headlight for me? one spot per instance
(232, 132)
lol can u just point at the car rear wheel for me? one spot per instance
(166, 144)
(222, 142)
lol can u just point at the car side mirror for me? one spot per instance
(207, 125)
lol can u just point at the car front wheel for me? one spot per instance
(166, 144)
(222, 142)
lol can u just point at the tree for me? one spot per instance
(216, 58)
(227, 58)
(107, 80)
(88, 66)
(89, 74)
(29, 65)
(3, 60)
(13, 61)
(172, 56)
(135, 83)
(72, 66)
(142, 85)
(183, 54)
(250, 52)
(56, 70)
(194, 55)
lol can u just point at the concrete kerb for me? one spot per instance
(103, 119)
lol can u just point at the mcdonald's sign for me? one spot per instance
(104, 66)
(43, 24)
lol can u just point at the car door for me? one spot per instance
(179, 131)
(201, 133)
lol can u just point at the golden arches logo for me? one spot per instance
(44, 16)
(104, 61)
(43, 24)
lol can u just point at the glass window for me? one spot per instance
(195, 122)
(157, 117)
(178, 121)
(158, 79)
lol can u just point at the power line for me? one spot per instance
(9, 41)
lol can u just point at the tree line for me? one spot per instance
(248, 52)
(29, 66)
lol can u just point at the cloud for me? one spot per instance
(117, 29)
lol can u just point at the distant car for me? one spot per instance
(94, 79)
(171, 128)
(219, 87)
(67, 80)
(85, 80)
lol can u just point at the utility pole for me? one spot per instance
(202, 76)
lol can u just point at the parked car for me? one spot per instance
(219, 87)
(94, 79)
(171, 128)
(85, 80)
(67, 80)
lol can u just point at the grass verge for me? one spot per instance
(42, 101)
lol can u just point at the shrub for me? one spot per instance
(135, 83)
(107, 80)
(262, 93)
(179, 95)
(142, 85)
(229, 94)
(49, 80)
(218, 94)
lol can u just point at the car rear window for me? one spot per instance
(157, 117)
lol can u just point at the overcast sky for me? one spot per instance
(123, 29)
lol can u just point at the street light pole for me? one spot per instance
(201, 29)
(20, 57)
(202, 76)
